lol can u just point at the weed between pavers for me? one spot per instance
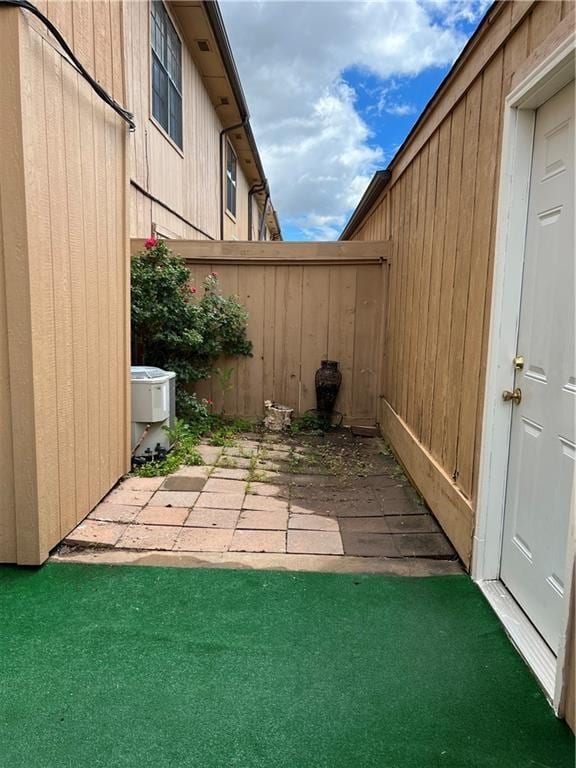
(183, 441)
(322, 458)
(184, 438)
(329, 459)
(227, 462)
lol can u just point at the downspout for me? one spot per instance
(223, 133)
(263, 219)
(254, 190)
(216, 21)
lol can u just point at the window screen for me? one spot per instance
(166, 73)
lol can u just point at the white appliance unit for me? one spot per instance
(153, 409)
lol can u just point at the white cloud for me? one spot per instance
(317, 151)
(389, 104)
(401, 110)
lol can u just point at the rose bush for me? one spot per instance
(177, 328)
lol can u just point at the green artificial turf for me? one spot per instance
(139, 666)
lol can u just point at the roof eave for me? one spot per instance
(221, 36)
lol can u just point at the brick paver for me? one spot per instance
(223, 485)
(220, 500)
(163, 515)
(149, 537)
(210, 453)
(258, 541)
(370, 544)
(203, 540)
(131, 498)
(265, 503)
(234, 462)
(99, 532)
(313, 523)
(230, 473)
(247, 506)
(314, 542)
(212, 518)
(269, 489)
(202, 471)
(272, 520)
(115, 513)
(174, 498)
(141, 484)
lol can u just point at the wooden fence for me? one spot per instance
(438, 208)
(306, 302)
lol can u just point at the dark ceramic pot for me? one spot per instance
(328, 381)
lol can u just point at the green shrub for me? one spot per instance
(175, 328)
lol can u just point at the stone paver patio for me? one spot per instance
(331, 502)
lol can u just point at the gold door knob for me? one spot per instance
(515, 396)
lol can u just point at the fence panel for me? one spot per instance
(306, 302)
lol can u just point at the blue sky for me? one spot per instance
(333, 90)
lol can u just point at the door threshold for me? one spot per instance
(524, 636)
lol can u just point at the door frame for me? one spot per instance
(546, 79)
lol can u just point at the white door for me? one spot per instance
(542, 448)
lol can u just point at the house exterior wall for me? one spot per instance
(7, 490)
(188, 181)
(439, 209)
(64, 318)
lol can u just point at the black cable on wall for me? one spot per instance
(127, 116)
(166, 207)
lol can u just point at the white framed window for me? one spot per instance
(231, 176)
(166, 72)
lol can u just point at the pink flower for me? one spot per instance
(214, 274)
(210, 402)
(150, 243)
(192, 289)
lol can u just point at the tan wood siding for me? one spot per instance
(439, 209)
(7, 516)
(187, 181)
(65, 308)
(306, 302)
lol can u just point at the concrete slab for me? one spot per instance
(264, 561)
